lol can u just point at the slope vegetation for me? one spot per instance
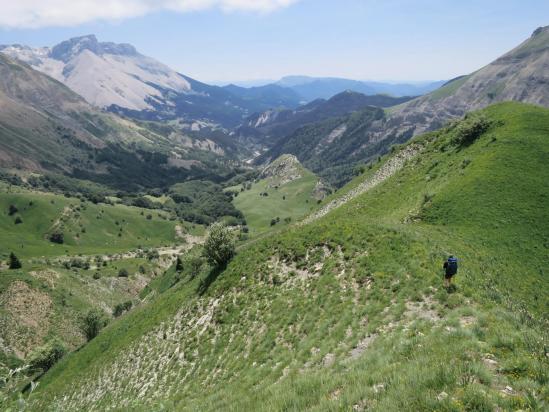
(348, 312)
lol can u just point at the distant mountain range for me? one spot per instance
(116, 77)
(331, 147)
(311, 88)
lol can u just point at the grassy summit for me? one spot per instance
(348, 312)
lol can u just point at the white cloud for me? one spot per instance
(43, 13)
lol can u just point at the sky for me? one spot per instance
(220, 41)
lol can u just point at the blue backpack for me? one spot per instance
(452, 266)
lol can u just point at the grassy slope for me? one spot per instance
(292, 200)
(29, 239)
(280, 336)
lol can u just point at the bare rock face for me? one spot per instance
(105, 74)
(283, 170)
(321, 190)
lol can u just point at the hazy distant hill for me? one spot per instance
(310, 88)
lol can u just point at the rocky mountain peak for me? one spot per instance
(67, 49)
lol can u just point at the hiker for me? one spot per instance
(450, 269)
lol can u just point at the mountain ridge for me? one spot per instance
(519, 75)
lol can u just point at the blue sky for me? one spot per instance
(228, 40)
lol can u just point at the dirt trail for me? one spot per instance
(392, 166)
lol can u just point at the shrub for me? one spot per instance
(12, 209)
(78, 263)
(219, 247)
(18, 220)
(14, 262)
(120, 308)
(44, 357)
(143, 202)
(123, 273)
(153, 254)
(470, 129)
(179, 265)
(57, 237)
(193, 265)
(92, 323)
(177, 198)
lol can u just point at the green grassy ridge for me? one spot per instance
(390, 242)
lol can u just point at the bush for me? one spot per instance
(193, 265)
(120, 308)
(177, 198)
(219, 247)
(123, 273)
(18, 220)
(77, 263)
(143, 202)
(470, 129)
(14, 262)
(44, 357)
(12, 209)
(179, 265)
(92, 323)
(57, 237)
(153, 254)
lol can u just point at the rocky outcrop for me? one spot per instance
(283, 170)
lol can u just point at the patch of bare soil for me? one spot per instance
(28, 312)
(422, 310)
(47, 275)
